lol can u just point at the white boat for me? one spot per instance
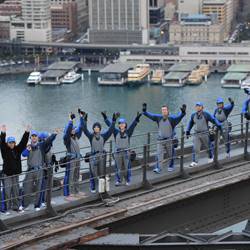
(246, 83)
(71, 77)
(34, 78)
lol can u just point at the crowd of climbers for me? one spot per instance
(36, 147)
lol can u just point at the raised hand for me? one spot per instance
(72, 116)
(58, 131)
(144, 107)
(104, 115)
(231, 100)
(28, 128)
(138, 116)
(183, 108)
(3, 128)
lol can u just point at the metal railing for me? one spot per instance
(145, 152)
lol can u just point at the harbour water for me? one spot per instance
(47, 107)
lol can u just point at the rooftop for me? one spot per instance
(117, 68)
(62, 65)
(214, 2)
(243, 68)
(235, 76)
(196, 16)
(183, 67)
(54, 73)
(176, 75)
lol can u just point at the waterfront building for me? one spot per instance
(119, 21)
(4, 27)
(35, 22)
(82, 15)
(196, 28)
(223, 10)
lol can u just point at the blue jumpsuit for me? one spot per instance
(201, 135)
(122, 153)
(165, 135)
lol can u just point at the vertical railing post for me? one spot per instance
(148, 143)
(242, 127)
(3, 227)
(216, 163)
(50, 209)
(246, 154)
(145, 183)
(110, 155)
(183, 173)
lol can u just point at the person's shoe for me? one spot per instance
(117, 183)
(43, 205)
(228, 156)
(93, 191)
(70, 198)
(6, 213)
(37, 209)
(170, 169)
(20, 210)
(193, 164)
(21, 207)
(128, 183)
(210, 160)
(157, 170)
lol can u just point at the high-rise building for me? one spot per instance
(35, 23)
(222, 10)
(189, 7)
(10, 8)
(82, 15)
(119, 21)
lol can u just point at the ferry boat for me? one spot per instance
(204, 70)
(139, 74)
(34, 78)
(195, 78)
(71, 77)
(157, 77)
(246, 83)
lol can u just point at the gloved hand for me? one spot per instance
(246, 91)
(115, 116)
(138, 116)
(188, 134)
(231, 100)
(81, 113)
(183, 108)
(72, 116)
(104, 115)
(247, 116)
(144, 107)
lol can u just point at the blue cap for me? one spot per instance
(220, 100)
(199, 104)
(121, 120)
(11, 139)
(43, 135)
(33, 132)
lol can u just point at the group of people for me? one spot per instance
(39, 156)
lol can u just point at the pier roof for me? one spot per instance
(231, 76)
(183, 67)
(176, 75)
(54, 73)
(62, 66)
(117, 68)
(239, 68)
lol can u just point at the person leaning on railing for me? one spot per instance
(12, 168)
(166, 131)
(35, 153)
(97, 159)
(199, 120)
(122, 136)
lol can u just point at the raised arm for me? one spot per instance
(106, 135)
(3, 139)
(176, 119)
(134, 124)
(79, 128)
(229, 108)
(245, 106)
(24, 141)
(85, 128)
(67, 132)
(151, 116)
